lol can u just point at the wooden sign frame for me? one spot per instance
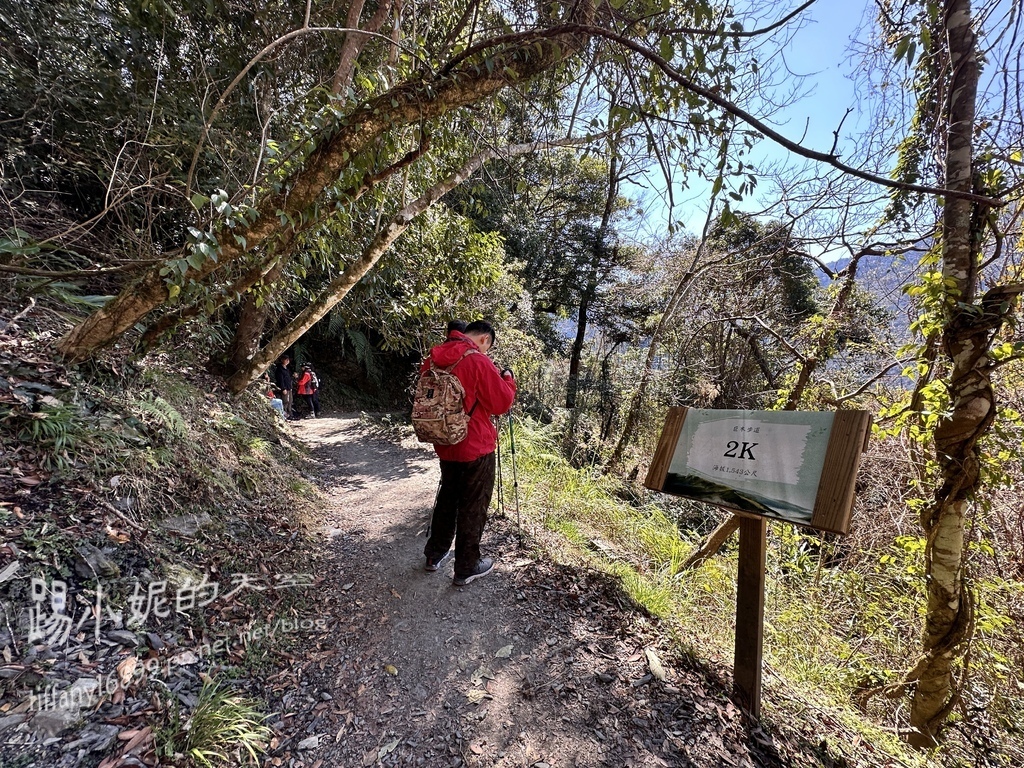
(833, 504)
(834, 500)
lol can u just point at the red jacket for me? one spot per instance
(488, 393)
(305, 383)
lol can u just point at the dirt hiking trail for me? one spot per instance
(534, 665)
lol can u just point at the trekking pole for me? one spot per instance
(501, 498)
(515, 477)
(430, 521)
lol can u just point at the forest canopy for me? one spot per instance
(338, 179)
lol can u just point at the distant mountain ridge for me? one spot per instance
(886, 277)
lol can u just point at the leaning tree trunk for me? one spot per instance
(354, 43)
(413, 102)
(338, 288)
(252, 320)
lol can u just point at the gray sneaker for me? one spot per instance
(483, 566)
(433, 563)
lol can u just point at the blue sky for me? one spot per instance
(819, 56)
(820, 52)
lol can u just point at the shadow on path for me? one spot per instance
(536, 664)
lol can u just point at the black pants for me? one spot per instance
(461, 511)
(313, 402)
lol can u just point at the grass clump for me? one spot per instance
(223, 729)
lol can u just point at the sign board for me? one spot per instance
(794, 466)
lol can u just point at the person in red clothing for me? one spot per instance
(467, 468)
(308, 385)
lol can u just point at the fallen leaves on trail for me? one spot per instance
(482, 673)
(504, 652)
(476, 695)
(126, 669)
(311, 743)
(654, 664)
(387, 749)
(119, 537)
(136, 739)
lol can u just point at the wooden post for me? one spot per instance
(750, 615)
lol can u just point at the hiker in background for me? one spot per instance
(275, 402)
(467, 467)
(283, 379)
(315, 397)
(308, 384)
(455, 325)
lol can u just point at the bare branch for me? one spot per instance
(771, 133)
(245, 70)
(741, 33)
(838, 401)
(778, 336)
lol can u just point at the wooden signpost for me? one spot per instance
(795, 466)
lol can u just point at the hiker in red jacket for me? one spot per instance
(308, 384)
(467, 468)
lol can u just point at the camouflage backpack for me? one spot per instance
(438, 407)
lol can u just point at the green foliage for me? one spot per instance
(839, 618)
(547, 208)
(432, 277)
(166, 417)
(366, 354)
(64, 435)
(223, 729)
(53, 429)
(916, 28)
(521, 352)
(129, 103)
(67, 293)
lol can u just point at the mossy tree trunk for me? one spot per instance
(252, 319)
(969, 326)
(338, 288)
(414, 102)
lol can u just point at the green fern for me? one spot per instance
(67, 293)
(165, 414)
(336, 326)
(53, 430)
(367, 355)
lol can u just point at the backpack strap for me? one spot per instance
(451, 368)
(464, 355)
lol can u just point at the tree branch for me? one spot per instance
(771, 133)
(778, 336)
(245, 70)
(741, 33)
(838, 401)
(338, 288)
